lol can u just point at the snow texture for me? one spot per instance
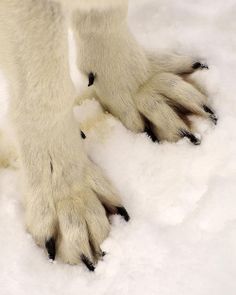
(181, 239)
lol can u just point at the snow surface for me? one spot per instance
(182, 199)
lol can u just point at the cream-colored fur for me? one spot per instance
(64, 192)
(132, 84)
(88, 5)
(8, 153)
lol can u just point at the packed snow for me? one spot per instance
(181, 239)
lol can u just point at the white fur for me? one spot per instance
(92, 4)
(126, 74)
(63, 189)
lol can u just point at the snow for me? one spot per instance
(181, 239)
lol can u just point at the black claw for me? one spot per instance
(104, 253)
(91, 78)
(213, 116)
(83, 135)
(214, 119)
(191, 137)
(51, 248)
(87, 262)
(151, 134)
(198, 65)
(122, 212)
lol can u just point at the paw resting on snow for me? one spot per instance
(72, 226)
(146, 91)
(162, 106)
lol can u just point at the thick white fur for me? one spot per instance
(130, 82)
(63, 189)
(89, 5)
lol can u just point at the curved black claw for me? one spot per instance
(213, 116)
(91, 78)
(122, 212)
(151, 134)
(50, 245)
(194, 140)
(82, 134)
(87, 262)
(199, 65)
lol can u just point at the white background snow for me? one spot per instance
(181, 239)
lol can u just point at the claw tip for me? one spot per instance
(194, 140)
(88, 263)
(199, 65)
(91, 78)
(51, 248)
(123, 212)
